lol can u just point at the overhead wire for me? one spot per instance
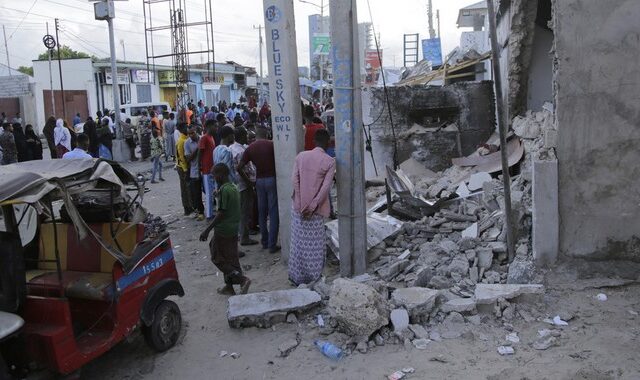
(24, 17)
(386, 92)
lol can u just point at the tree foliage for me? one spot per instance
(65, 52)
(26, 70)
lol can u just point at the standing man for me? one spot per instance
(313, 173)
(195, 185)
(261, 154)
(8, 145)
(205, 156)
(223, 155)
(170, 141)
(245, 187)
(127, 132)
(61, 138)
(183, 170)
(80, 151)
(224, 244)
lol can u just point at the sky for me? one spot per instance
(234, 34)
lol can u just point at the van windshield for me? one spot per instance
(158, 108)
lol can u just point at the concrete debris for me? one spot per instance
(416, 301)
(419, 331)
(506, 350)
(358, 309)
(545, 342)
(421, 344)
(460, 305)
(268, 308)
(486, 294)
(399, 320)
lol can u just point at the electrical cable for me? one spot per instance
(24, 17)
(386, 92)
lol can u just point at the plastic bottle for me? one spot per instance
(329, 349)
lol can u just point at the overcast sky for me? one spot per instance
(234, 21)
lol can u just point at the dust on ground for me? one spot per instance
(600, 342)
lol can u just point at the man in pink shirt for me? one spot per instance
(312, 177)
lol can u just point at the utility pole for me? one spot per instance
(503, 126)
(432, 32)
(282, 58)
(352, 226)
(64, 105)
(6, 49)
(260, 54)
(53, 98)
(124, 53)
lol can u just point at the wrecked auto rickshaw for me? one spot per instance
(81, 265)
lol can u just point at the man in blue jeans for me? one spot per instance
(261, 154)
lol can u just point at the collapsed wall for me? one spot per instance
(437, 123)
(598, 122)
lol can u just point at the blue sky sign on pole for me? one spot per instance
(431, 51)
(282, 58)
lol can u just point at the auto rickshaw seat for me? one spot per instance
(86, 266)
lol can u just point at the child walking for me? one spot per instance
(224, 244)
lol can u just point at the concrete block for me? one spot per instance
(265, 309)
(399, 320)
(417, 301)
(486, 294)
(545, 212)
(459, 305)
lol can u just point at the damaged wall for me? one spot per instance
(598, 121)
(416, 111)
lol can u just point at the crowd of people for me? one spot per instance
(225, 161)
(227, 173)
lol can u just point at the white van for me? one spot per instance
(134, 110)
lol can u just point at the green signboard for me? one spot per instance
(320, 44)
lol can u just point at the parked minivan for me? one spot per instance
(134, 110)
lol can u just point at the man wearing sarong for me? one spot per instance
(224, 244)
(312, 177)
(205, 155)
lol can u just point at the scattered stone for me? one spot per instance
(378, 339)
(439, 282)
(473, 275)
(266, 308)
(435, 336)
(291, 318)
(419, 331)
(287, 347)
(399, 320)
(485, 258)
(506, 350)
(421, 344)
(459, 265)
(223, 353)
(545, 343)
(477, 180)
(362, 347)
(418, 302)
(521, 270)
(234, 355)
(474, 320)
(486, 294)
(513, 337)
(459, 305)
(357, 308)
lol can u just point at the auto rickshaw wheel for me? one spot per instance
(165, 329)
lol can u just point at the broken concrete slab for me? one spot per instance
(418, 302)
(399, 320)
(267, 308)
(419, 331)
(358, 308)
(460, 305)
(477, 180)
(486, 294)
(471, 231)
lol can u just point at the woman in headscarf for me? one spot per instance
(61, 138)
(34, 145)
(47, 131)
(21, 142)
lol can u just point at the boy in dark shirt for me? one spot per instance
(224, 244)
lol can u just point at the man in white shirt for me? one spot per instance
(61, 138)
(80, 152)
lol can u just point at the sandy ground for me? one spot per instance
(601, 342)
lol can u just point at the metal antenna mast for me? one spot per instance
(432, 31)
(179, 28)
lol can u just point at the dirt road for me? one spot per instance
(601, 341)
